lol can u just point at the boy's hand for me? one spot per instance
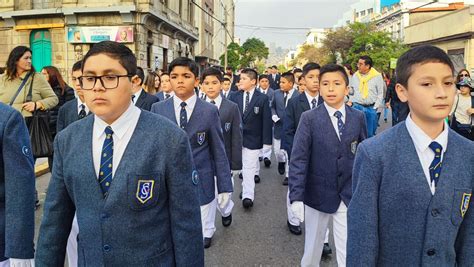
(297, 208)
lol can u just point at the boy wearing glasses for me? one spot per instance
(135, 206)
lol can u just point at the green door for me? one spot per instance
(40, 43)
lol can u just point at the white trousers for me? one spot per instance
(280, 154)
(249, 167)
(266, 151)
(5, 263)
(71, 247)
(208, 215)
(315, 228)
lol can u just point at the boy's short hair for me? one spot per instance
(185, 62)
(367, 60)
(117, 51)
(77, 66)
(250, 72)
(295, 70)
(211, 72)
(225, 79)
(289, 76)
(419, 55)
(263, 76)
(309, 67)
(334, 68)
(141, 74)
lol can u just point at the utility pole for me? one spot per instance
(225, 41)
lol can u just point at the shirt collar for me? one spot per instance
(119, 126)
(190, 102)
(251, 92)
(421, 139)
(137, 95)
(310, 98)
(218, 100)
(332, 110)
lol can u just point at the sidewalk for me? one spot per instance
(41, 166)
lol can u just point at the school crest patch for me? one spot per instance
(466, 198)
(256, 110)
(201, 137)
(227, 126)
(354, 147)
(145, 190)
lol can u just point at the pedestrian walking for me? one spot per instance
(200, 120)
(461, 116)
(135, 207)
(140, 97)
(413, 183)
(321, 190)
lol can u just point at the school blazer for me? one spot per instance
(231, 123)
(321, 165)
(17, 187)
(162, 228)
(257, 121)
(274, 83)
(270, 93)
(278, 108)
(295, 107)
(145, 100)
(394, 220)
(207, 143)
(68, 114)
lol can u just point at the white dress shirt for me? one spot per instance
(123, 129)
(218, 101)
(288, 97)
(422, 141)
(79, 104)
(245, 96)
(264, 91)
(190, 103)
(137, 95)
(171, 93)
(226, 93)
(310, 98)
(331, 112)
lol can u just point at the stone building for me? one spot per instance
(60, 32)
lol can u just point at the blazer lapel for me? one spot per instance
(140, 99)
(327, 121)
(169, 110)
(304, 102)
(196, 110)
(252, 103)
(320, 100)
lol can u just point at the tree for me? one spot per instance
(374, 43)
(253, 49)
(310, 53)
(337, 43)
(234, 52)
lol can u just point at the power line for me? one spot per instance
(212, 16)
(271, 27)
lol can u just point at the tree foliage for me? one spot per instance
(253, 49)
(234, 52)
(310, 53)
(338, 42)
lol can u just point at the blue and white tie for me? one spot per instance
(183, 116)
(106, 161)
(435, 166)
(340, 123)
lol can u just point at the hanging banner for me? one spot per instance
(120, 34)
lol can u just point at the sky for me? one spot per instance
(303, 14)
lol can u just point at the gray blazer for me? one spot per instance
(394, 220)
(122, 230)
(17, 187)
(207, 144)
(231, 122)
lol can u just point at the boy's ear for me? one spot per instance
(135, 80)
(346, 91)
(196, 82)
(402, 92)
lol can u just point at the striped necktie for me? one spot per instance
(313, 103)
(247, 101)
(183, 116)
(340, 123)
(106, 161)
(435, 166)
(82, 113)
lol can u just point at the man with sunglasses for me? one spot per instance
(136, 203)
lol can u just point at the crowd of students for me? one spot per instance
(143, 164)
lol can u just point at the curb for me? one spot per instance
(41, 169)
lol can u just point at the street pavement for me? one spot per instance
(258, 237)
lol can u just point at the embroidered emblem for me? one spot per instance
(227, 126)
(465, 203)
(256, 110)
(195, 177)
(354, 147)
(26, 151)
(145, 190)
(201, 137)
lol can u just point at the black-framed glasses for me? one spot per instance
(108, 81)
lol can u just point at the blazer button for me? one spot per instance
(105, 216)
(107, 248)
(431, 252)
(434, 212)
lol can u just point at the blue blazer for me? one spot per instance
(231, 123)
(257, 121)
(67, 114)
(274, 83)
(121, 230)
(278, 108)
(321, 165)
(207, 144)
(394, 220)
(294, 109)
(145, 100)
(17, 187)
(270, 93)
